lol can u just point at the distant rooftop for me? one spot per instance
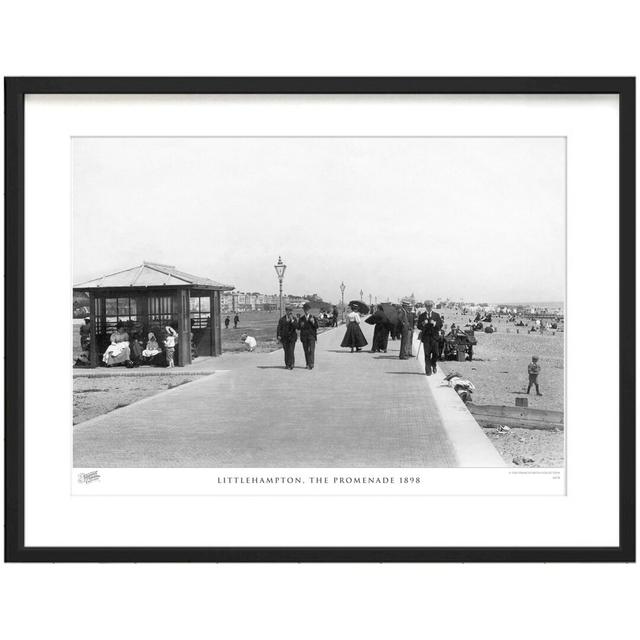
(151, 274)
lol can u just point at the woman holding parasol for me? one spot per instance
(353, 337)
(381, 326)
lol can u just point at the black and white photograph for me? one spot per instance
(320, 320)
(365, 316)
(318, 302)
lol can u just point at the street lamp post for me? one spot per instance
(370, 299)
(361, 294)
(280, 268)
(342, 288)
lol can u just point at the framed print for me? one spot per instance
(320, 319)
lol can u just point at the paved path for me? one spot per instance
(352, 410)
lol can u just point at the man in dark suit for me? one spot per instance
(334, 316)
(430, 324)
(308, 326)
(288, 336)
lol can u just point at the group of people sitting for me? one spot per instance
(131, 351)
(134, 352)
(329, 318)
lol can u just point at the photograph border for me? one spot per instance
(15, 91)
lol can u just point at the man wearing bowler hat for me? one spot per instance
(288, 336)
(308, 326)
(429, 324)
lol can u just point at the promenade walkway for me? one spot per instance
(352, 410)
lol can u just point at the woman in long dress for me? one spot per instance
(353, 337)
(380, 337)
(118, 352)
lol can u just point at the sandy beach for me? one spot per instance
(499, 373)
(499, 366)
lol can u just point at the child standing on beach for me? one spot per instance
(170, 344)
(534, 371)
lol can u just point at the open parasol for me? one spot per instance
(359, 306)
(386, 312)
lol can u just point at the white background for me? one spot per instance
(332, 38)
(500, 517)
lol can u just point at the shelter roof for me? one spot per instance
(151, 274)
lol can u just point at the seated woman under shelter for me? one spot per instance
(118, 352)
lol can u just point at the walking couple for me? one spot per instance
(288, 328)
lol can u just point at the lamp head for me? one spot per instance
(280, 267)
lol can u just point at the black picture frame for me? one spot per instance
(15, 91)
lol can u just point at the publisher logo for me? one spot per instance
(86, 478)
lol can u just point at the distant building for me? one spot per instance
(241, 301)
(295, 301)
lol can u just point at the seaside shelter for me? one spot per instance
(150, 297)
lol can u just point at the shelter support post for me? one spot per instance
(216, 313)
(184, 328)
(212, 323)
(93, 345)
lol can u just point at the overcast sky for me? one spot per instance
(480, 219)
